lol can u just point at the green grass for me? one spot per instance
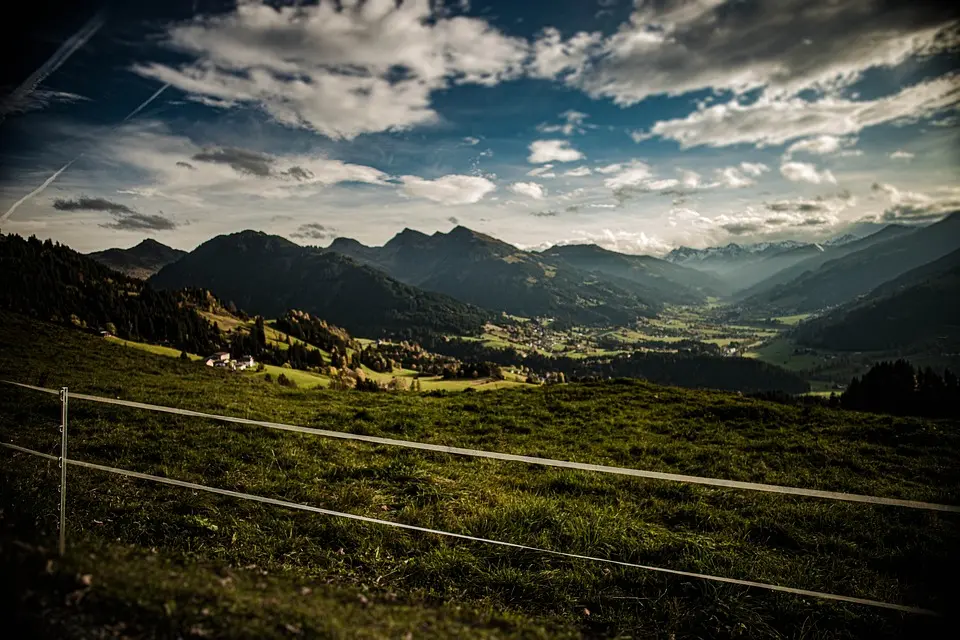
(152, 348)
(794, 320)
(161, 556)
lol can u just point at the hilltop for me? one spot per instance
(140, 261)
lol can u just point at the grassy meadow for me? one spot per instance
(158, 561)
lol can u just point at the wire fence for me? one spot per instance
(65, 396)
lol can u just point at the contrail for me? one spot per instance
(146, 102)
(46, 183)
(49, 181)
(62, 54)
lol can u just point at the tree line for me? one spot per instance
(901, 389)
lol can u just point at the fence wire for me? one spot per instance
(409, 527)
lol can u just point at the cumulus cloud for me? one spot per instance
(677, 46)
(550, 213)
(470, 141)
(242, 160)
(543, 151)
(732, 178)
(689, 179)
(774, 121)
(806, 172)
(579, 172)
(450, 189)
(529, 189)
(754, 169)
(630, 175)
(546, 171)
(340, 69)
(314, 231)
(757, 222)
(900, 154)
(820, 146)
(610, 168)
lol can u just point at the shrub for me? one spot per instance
(284, 381)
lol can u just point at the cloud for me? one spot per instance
(529, 189)
(450, 189)
(619, 240)
(900, 154)
(37, 100)
(573, 123)
(689, 179)
(913, 207)
(542, 172)
(125, 218)
(544, 214)
(631, 175)
(141, 222)
(340, 69)
(754, 168)
(471, 141)
(819, 145)
(216, 172)
(805, 172)
(314, 231)
(84, 203)
(242, 160)
(579, 172)
(674, 46)
(752, 222)
(774, 121)
(732, 178)
(543, 151)
(453, 220)
(610, 168)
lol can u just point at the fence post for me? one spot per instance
(64, 400)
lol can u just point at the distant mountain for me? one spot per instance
(141, 261)
(918, 311)
(268, 275)
(830, 252)
(840, 240)
(647, 276)
(741, 266)
(841, 280)
(490, 273)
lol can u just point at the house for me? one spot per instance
(219, 359)
(245, 362)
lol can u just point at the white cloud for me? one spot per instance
(543, 172)
(774, 121)
(610, 168)
(689, 179)
(619, 240)
(805, 172)
(732, 178)
(819, 145)
(754, 168)
(674, 47)
(900, 154)
(579, 172)
(336, 70)
(913, 207)
(573, 123)
(633, 175)
(471, 141)
(529, 189)
(798, 217)
(542, 151)
(450, 189)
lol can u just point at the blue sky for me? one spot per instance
(636, 125)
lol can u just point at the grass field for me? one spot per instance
(196, 565)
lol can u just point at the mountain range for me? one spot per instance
(562, 283)
(840, 280)
(141, 261)
(915, 312)
(268, 275)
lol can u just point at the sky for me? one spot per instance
(636, 125)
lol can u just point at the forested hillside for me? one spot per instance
(52, 282)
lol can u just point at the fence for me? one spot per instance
(63, 461)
